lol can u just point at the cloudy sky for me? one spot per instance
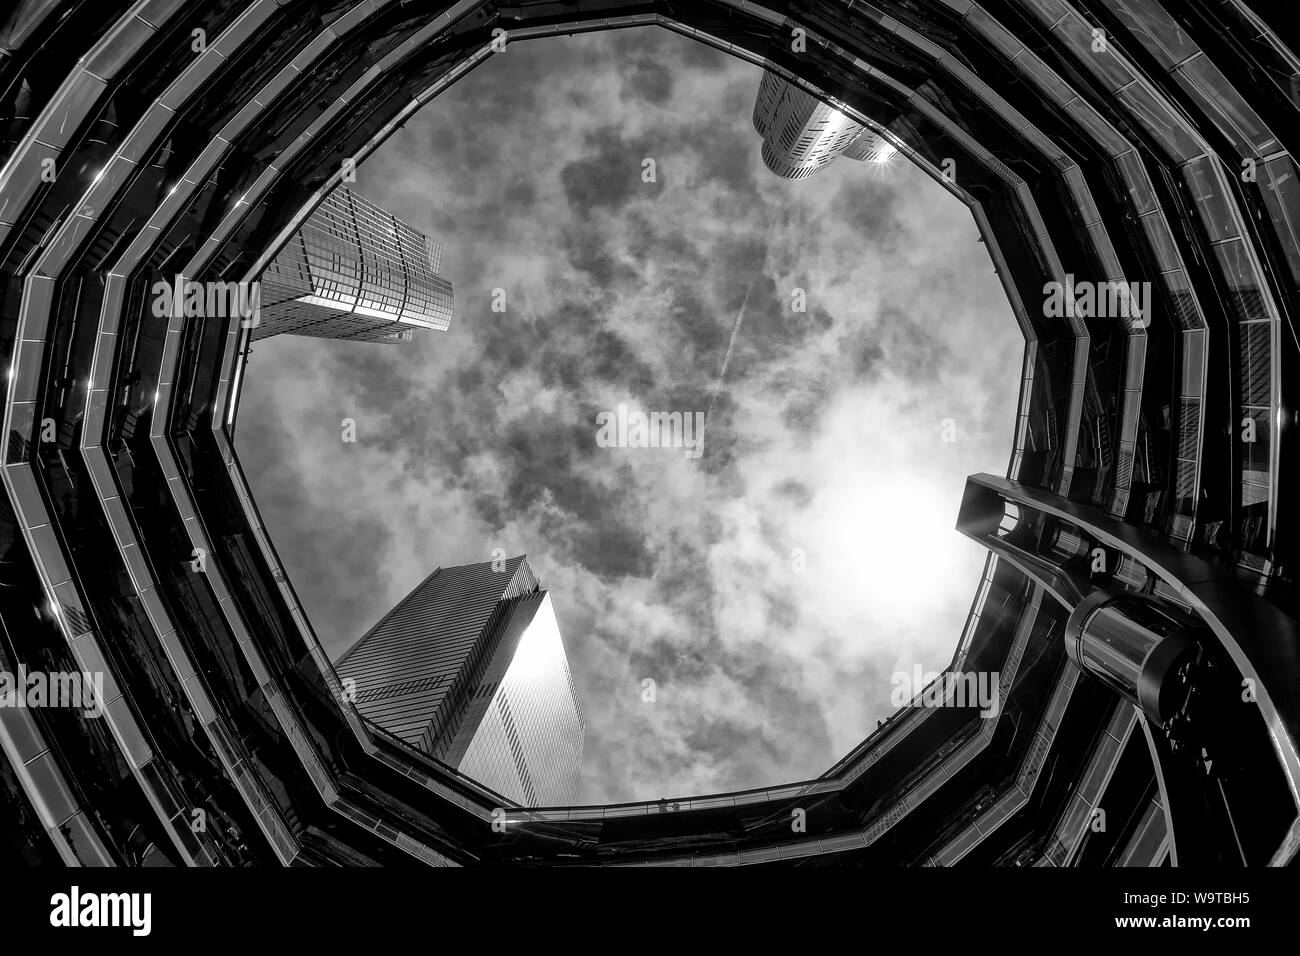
(772, 587)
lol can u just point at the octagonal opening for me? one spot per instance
(738, 612)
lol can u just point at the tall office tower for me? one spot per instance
(869, 147)
(470, 668)
(802, 135)
(354, 271)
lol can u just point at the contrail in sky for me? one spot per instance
(731, 345)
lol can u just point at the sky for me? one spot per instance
(771, 588)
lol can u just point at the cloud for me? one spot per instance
(647, 80)
(769, 588)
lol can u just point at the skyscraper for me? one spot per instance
(470, 668)
(354, 271)
(802, 135)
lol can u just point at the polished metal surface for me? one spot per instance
(1160, 155)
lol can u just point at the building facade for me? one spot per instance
(470, 669)
(802, 135)
(1139, 602)
(354, 271)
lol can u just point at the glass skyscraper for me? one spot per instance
(470, 669)
(802, 135)
(354, 271)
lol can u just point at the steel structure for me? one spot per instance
(1093, 140)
